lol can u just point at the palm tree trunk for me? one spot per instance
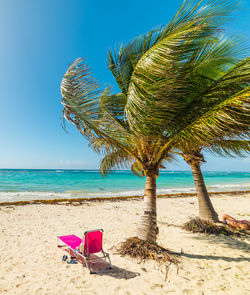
(147, 228)
(206, 209)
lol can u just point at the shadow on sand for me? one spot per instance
(119, 273)
(102, 267)
(238, 243)
(211, 257)
(114, 272)
(227, 241)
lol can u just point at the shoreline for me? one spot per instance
(118, 198)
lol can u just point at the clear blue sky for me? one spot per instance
(38, 41)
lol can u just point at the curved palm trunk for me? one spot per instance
(206, 209)
(147, 228)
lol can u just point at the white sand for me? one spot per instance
(30, 262)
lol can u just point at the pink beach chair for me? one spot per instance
(86, 247)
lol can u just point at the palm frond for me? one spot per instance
(220, 109)
(190, 83)
(122, 61)
(115, 160)
(168, 158)
(81, 97)
(155, 77)
(79, 89)
(137, 169)
(113, 106)
(210, 14)
(216, 55)
(161, 75)
(229, 147)
(224, 102)
(232, 115)
(213, 14)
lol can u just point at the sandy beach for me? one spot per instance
(31, 263)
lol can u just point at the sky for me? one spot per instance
(39, 39)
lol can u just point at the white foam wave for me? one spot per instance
(29, 196)
(229, 186)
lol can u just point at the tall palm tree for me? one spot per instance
(206, 209)
(211, 60)
(212, 112)
(216, 57)
(194, 157)
(142, 125)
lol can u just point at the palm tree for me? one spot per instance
(142, 125)
(219, 115)
(212, 59)
(194, 157)
(217, 56)
(206, 209)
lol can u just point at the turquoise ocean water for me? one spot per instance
(49, 184)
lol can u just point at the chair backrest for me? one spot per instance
(92, 242)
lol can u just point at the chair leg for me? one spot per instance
(85, 260)
(105, 256)
(110, 265)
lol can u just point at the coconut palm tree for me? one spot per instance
(212, 59)
(217, 56)
(227, 92)
(142, 125)
(194, 157)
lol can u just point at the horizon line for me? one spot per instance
(92, 169)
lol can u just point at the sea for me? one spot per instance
(34, 184)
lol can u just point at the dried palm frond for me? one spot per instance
(145, 250)
(198, 225)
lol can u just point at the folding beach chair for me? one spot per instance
(86, 247)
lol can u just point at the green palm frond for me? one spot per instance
(122, 61)
(229, 147)
(80, 94)
(216, 55)
(115, 160)
(160, 103)
(222, 107)
(81, 97)
(232, 115)
(113, 106)
(168, 158)
(137, 169)
(209, 14)
(114, 103)
(213, 13)
(101, 146)
(155, 77)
